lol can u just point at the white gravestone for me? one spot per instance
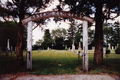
(48, 48)
(93, 48)
(79, 47)
(112, 47)
(38, 50)
(109, 46)
(8, 47)
(73, 48)
(104, 51)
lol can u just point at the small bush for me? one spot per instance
(117, 51)
(107, 51)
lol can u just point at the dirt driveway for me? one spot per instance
(58, 77)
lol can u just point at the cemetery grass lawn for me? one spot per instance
(54, 62)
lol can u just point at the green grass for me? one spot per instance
(48, 62)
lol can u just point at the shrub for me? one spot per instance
(107, 51)
(117, 51)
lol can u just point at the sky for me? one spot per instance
(38, 33)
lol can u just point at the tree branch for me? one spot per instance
(15, 20)
(6, 21)
(35, 27)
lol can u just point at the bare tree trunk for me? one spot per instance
(19, 55)
(98, 54)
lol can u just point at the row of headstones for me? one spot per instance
(73, 48)
(8, 50)
(11, 51)
(109, 47)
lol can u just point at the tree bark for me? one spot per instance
(19, 55)
(98, 54)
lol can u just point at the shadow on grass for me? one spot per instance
(56, 66)
(110, 66)
(41, 66)
(8, 65)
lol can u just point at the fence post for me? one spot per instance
(85, 46)
(29, 45)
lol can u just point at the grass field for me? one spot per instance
(60, 62)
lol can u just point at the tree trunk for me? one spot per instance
(98, 54)
(19, 55)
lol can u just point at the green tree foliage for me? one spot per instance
(69, 42)
(8, 32)
(107, 31)
(59, 32)
(47, 40)
(37, 45)
(59, 43)
(58, 36)
(72, 31)
(78, 38)
(88, 7)
(74, 34)
(111, 34)
(115, 34)
(20, 9)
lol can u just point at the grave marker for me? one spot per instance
(112, 47)
(79, 47)
(73, 47)
(109, 46)
(38, 50)
(104, 51)
(8, 47)
(93, 48)
(48, 48)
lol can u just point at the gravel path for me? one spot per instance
(60, 77)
